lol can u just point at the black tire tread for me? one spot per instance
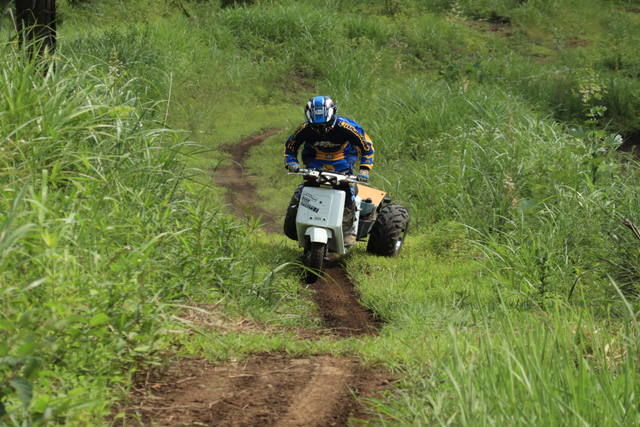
(290, 229)
(314, 262)
(390, 227)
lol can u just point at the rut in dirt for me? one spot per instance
(336, 296)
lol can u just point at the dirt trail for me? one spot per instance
(339, 305)
(268, 389)
(335, 295)
(241, 193)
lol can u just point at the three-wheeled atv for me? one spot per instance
(315, 218)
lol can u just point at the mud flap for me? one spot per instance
(318, 234)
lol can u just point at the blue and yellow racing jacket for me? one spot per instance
(336, 150)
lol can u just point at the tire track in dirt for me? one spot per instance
(339, 303)
(269, 389)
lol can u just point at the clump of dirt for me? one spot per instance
(268, 389)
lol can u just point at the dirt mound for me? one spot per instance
(269, 389)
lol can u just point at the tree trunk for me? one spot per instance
(36, 24)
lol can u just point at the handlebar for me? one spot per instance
(326, 177)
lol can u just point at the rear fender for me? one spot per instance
(318, 234)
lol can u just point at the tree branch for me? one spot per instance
(632, 226)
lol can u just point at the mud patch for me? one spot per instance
(241, 192)
(269, 389)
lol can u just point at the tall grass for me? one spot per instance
(99, 236)
(551, 371)
(545, 200)
(469, 356)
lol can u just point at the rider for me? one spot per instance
(331, 143)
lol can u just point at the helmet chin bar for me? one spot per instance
(322, 128)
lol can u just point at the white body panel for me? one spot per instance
(321, 208)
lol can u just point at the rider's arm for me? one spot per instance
(291, 147)
(363, 142)
(367, 153)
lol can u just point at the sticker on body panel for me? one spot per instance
(307, 201)
(316, 208)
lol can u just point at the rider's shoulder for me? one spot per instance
(304, 127)
(349, 124)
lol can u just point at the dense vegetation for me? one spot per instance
(496, 122)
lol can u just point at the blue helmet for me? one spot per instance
(321, 112)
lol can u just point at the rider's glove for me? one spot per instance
(363, 176)
(293, 167)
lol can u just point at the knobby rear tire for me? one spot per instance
(314, 261)
(290, 229)
(389, 230)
